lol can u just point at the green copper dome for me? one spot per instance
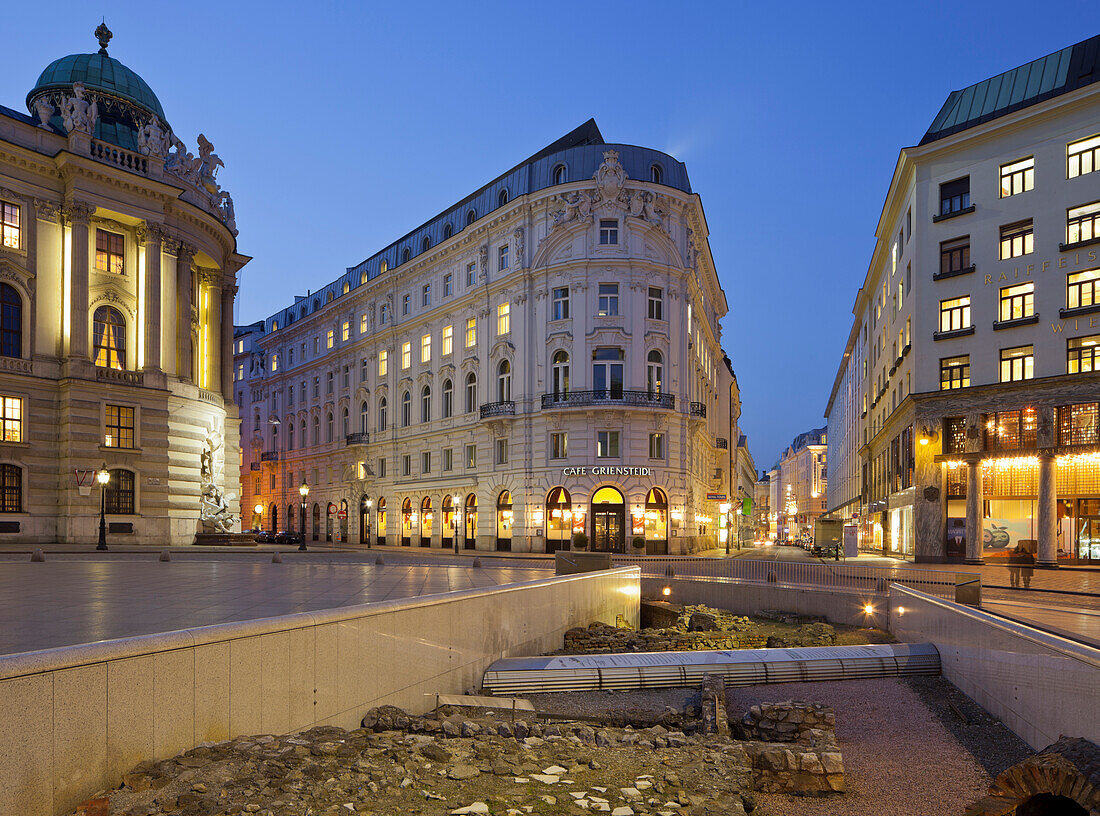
(98, 72)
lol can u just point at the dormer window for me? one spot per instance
(426, 244)
(502, 198)
(655, 174)
(109, 252)
(383, 267)
(448, 231)
(471, 217)
(405, 255)
(561, 175)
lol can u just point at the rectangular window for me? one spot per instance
(1083, 289)
(406, 356)
(426, 348)
(471, 332)
(1017, 363)
(109, 252)
(955, 372)
(426, 295)
(502, 258)
(9, 225)
(330, 338)
(328, 383)
(118, 495)
(1083, 156)
(448, 284)
(955, 314)
(448, 339)
(1083, 354)
(656, 446)
(345, 331)
(954, 196)
(274, 362)
(908, 224)
(502, 451)
(954, 255)
(448, 459)
(559, 445)
(1017, 239)
(504, 320)
(609, 300)
(11, 489)
(471, 274)
(1017, 177)
(364, 366)
(384, 314)
(240, 372)
(11, 419)
(346, 379)
(609, 231)
(120, 427)
(559, 307)
(607, 444)
(656, 303)
(383, 363)
(316, 387)
(363, 324)
(1017, 301)
(1083, 223)
(425, 462)
(382, 467)
(405, 301)
(406, 465)
(471, 456)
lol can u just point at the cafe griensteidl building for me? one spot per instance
(541, 359)
(118, 262)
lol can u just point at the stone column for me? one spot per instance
(226, 344)
(184, 352)
(974, 512)
(152, 235)
(213, 362)
(78, 213)
(1048, 511)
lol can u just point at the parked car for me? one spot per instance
(288, 537)
(265, 537)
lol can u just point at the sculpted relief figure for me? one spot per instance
(577, 206)
(610, 177)
(78, 113)
(152, 140)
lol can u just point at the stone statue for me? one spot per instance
(45, 109)
(222, 203)
(182, 162)
(213, 508)
(152, 140)
(77, 113)
(520, 255)
(208, 165)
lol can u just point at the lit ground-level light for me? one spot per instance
(868, 610)
(901, 610)
(666, 591)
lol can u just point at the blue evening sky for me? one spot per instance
(344, 125)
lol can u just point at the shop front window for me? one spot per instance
(504, 522)
(559, 520)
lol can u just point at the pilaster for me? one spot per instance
(152, 236)
(78, 213)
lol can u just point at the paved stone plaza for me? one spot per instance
(67, 601)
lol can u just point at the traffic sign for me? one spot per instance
(343, 514)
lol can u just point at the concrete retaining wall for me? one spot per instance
(747, 598)
(73, 720)
(1041, 686)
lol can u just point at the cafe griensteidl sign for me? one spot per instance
(606, 470)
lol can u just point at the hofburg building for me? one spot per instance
(118, 264)
(541, 359)
(962, 423)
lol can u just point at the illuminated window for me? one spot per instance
(656, 303)
(11, 322)
(1083, 354)
(109, 338)
(240, 372)
(347, 287)
(109, 247)
(1083, 289)
(448, 339)
(954, 256)
(1017, 363)
(471, 332)
(383, 360)
(1083, 223)
(1017, 239)
(504, 320)
(384, 314)
(560, 304)
(955, 372)
(471, 456)
(655, 367)
(330, 338)
(607, 444)
(609, 231)
(1017, 177)
(1017, 301)
(609, 300)
(1083, 157)
(11, 489)
(559, 445)
(118, 495)
(9, 225)
(345, 331)
(560, 373)
(955, 314)
(383, 267)
(274, 362)
(406, 356)
(504, 381)
(120, 427)
(426, 348)
(363, 324)
(11, 420)
(955, 196)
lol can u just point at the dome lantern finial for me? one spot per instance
(103, 34)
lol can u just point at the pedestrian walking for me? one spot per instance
(1014, 563)
(1027, 567)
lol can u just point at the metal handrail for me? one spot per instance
(269, 456)
(503, 408)
(571, 399)
(697, 409)
(360, 438)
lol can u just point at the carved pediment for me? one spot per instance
(14, 272)
(112, 298)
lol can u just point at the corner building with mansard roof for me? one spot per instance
(118, 261)
(963, 421)
(541, 359)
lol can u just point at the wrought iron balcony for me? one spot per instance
(722, 443)
(361, 438)
(642, 399)
(697, 409)
(492, 409)
(269, 456)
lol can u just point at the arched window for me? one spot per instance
(302, 433)
(426, 404)
(471, 392)
(425, 244)
(448, 399)
(406, 409)
(363, 277)
(655, 372)
(274, 325)
(316, 430)
(561, 175)
(290, 436)
(11, 489)
(11, 322)
(363, 417)
(382, 414)
(502, 198)
(471, 216)
(328, 427)
(346, 423)
(329, 296)
(655, 173)
(383, 267)
(561, 373)
(109, 338)
(118, 495)
(504, 381)
(316, 304)
(405, 255)
(448, 230)
(347, 287)
(504, 521)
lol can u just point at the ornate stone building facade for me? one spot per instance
(963, 422)
(118, 266)
(541, 359)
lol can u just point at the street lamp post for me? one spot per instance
(102, 476)
(370, 504)
(456, 519)
(303, 491)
